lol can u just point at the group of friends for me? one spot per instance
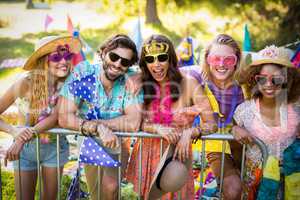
(255, 97)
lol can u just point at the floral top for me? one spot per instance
(247, 115)
(23, 107)
(84, 87)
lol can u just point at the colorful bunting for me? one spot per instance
(296, 58)
(48, 21)
(70, 26)
(78, 57)
(75, 190)
(247, 40)
(185, 52)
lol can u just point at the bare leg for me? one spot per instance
(91, 173)
(28, 183)
(232, 185)
(50, 182)
(232, 188)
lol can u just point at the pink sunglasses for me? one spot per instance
(216, 60)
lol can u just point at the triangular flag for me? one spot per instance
(78, 57)
(93, 154)
(296, 58)
(137, 35)
(185, 52)
(48, 21)
(74, 189)
(70, 26)
(247, 40)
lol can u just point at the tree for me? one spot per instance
(151, 13)
(29, 4)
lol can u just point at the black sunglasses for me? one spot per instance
(115, 57)
(160, 57)
(276, 80)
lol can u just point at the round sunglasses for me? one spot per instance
(276, 80)
(57, 57)
(160, 57)
(217, 60)
(115, 57)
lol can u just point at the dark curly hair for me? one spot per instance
(174, 74)
(292, 84)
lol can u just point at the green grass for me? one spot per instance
(10, 194)
(8, 191)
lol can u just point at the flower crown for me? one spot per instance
(156, 48)
(274, 52)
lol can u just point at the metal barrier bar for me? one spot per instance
(140, 135)
(58, 166)
(202, 165)
(99, 182)
(120, 172)
(222, 166)
(38, 165)
(140, 166)
(20, 183)
(0, 182)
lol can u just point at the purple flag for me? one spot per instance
(75, 190)
(48, 21)
(93, 154)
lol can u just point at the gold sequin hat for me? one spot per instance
(156, 48)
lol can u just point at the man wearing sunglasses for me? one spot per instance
(96, 103)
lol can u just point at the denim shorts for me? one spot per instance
(48, 155)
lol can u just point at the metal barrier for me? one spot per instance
(141, 135)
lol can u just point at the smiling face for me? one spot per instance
(270, 80)
(158, 67)
(59, 64)
(222, 62)
(114, 61)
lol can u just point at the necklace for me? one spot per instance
(161, 107)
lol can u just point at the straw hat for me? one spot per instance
(49, 44)
(270, 55)
(170, 175)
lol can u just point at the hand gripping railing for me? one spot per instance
(141, 135)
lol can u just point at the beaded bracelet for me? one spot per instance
(100, 126)
(199, 131)
(81, 129)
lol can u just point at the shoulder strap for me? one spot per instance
(212, 100)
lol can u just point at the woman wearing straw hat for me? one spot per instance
(37, 95)
(270, 115)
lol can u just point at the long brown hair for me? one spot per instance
(39, 90)
(173, 73)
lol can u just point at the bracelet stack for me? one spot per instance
(198, 130)
(81, 129)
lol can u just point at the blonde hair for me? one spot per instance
(221, 39)
(39, 90)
